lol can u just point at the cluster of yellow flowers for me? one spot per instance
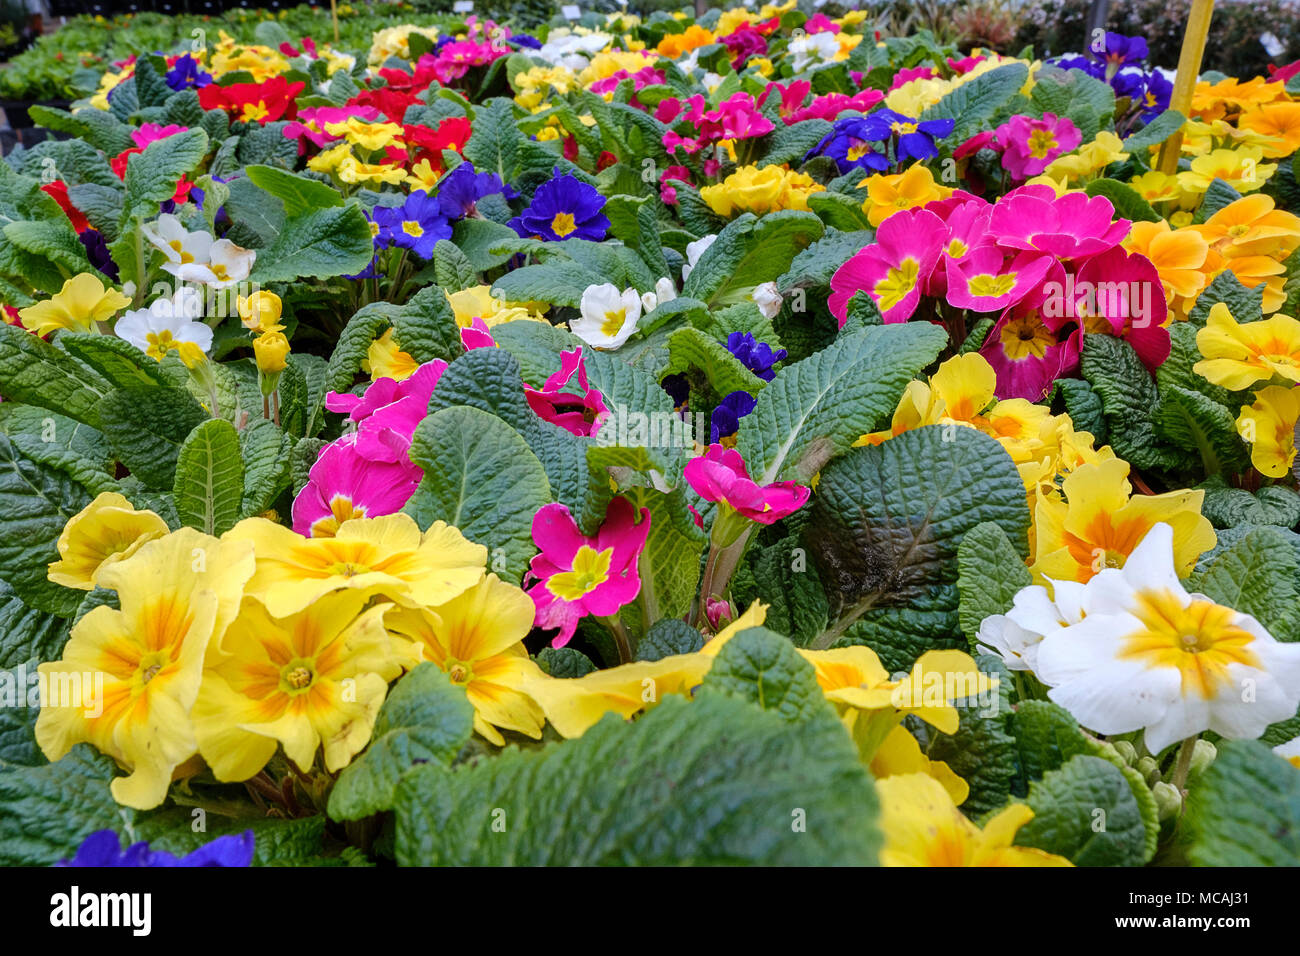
(396, 42)
(750, 189)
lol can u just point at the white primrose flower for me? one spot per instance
(1289, 751)
(768, 299)
(178, 244)
(1149, 656)
(1034, 614)
(167, 323)
(226, 265)
(609, 317)
(813, 48)
(693, 252)
(664, 291)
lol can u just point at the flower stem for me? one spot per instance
(1184, 763)
(621, 639)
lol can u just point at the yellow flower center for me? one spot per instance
(613, 322)
(992, 285)
(460, 672)
(957, 248)
(563, 224)
(374, 229)
(176, 248)
(160, 343)
(341, 509)
(412, 228)
(348, 569)
(590, 571)
(297, 675)
(903, 129)
(896, 284)
(219, 270)
(1024, 337)
(1041, 142)
(1200, 640)
(253, 111)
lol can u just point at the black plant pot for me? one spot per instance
(18, 111)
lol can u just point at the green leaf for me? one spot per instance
(667, 637)
(1126, 200)
(425, 720)
(53, 240)
(1154, 133)
(1245, 809)
(1083, 405)
(839, 211)
(46, 811)
(1246, 305)
(267, 455)
(478, 238)
(36, 502)
(317, 244)
(26, 633)
(632, 220)
(1086, 100)
(1218, 195)
(1086, 811)
(813, 267)
(990, 572)
(425, 327)
(151, 175)
(1228, 507)
(556, 282)
(690, 348)
(820, 406)
(276, 841)
(716, 780)
(779, 575)
(452, 268)
(146, 426)
(1129, 399)
(481, 476)
(750, 251)
(975, 103)
(209, 480)
(888, 520)
(118, 361)
(1201, 425)
(565, 662)
(1260, 576)
(494, 144)
(791, 143)
(763, 668)
(34, 371)
(297, 193)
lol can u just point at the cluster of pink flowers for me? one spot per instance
(737, 117)
(1027, 144)
(646, 76)
(581, 413)
(796, 107)
(1051, 268)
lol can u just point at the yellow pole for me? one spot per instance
(334, 12)
(1189, 67)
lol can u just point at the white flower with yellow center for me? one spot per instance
(227, 264)
(609, 317)
(1149, 656)
(1016, 635)
(167, 323)
(178, 244)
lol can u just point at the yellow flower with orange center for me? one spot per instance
(750, 189)
(1241, 168)
(1252, 226)
(106, 531)
(1238, 355)
(1212, 101)
(1098, 524)
(888, 194)
(1280, 122)
(136, 671)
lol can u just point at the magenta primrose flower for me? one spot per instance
(893, 269)
(1031, 144)
(582, 413)
(720, 475)
(1071, 227)
(345, 484)
(575, 575)
(388, 413)
(986, 280)
(1034, 342)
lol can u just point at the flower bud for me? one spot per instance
(1203, 755)
(271, 350)
(1126, 750)
(1149, 769)
(1169, 802)
(260, 311)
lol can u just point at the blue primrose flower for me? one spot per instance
(725, 420)
(417, 224)
(1118, 50)
(756, 356)
(678, 388)
(98, 254)
(1091, 67)
(1155, 98)
(187, 74)
(523, 40)
(563, 208)
(849, 144)
(461, 188)
(916, 139)
(104, 848)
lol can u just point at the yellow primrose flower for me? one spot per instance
(370, 136)
(923, 827)
(888, 194)
(328, 160)
(260, 312)
(1230, 95)
(424, 176)
(1239, 355)
(763, 65)
(573, 705)
(177, 594)
(385, 360)
(354, 172)
(1252, 226)
(271, 350)
(750, 189)
(1098, 524)
(1089, 159)
(386, 555)
(314, 679)
(82, 302)
(1155, 186)
(1268, 426)
(478, 302)
(477, 639)
(106, 531)
(1279, 122)
(900, 753)
(958, 391)
(1240, 168)
(912, 98)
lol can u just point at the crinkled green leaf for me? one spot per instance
(990, 571)
(209, 482)
(146, 426)
(1245, 809)
(1260, 576)
(763, 667)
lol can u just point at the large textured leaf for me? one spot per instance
(36, 501)
(820, 406)
(425, 720)
(26, 633)
(1260, 576)
(151, 175)
(209, 483)
(975, 103)
(989, 573)
(716, 780)
(887, 521)
(147, 426)
(1130, 400)
(318, 244)
(35, 372)
(46, 811)
(763, 667)
(1086, 811)
(480, 476)
(749, 251)
(1245, 809)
